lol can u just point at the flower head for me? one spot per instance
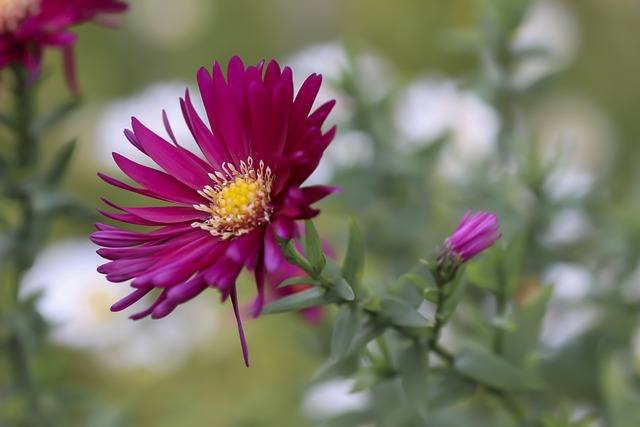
(227, 208)
(28, 26)
(474, 234)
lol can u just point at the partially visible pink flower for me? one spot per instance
(227, 206)
(474, 234)
(27, 27)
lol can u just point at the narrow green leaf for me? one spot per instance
(619, 393)
(431, 295)
(298, 301)
(365, 333)
(483, 275)
(294, 257)
(344, 329)
(59, 165)
(453, 294)
(446, 388)
(512, 264)
(353, 266)
(55, 116)
(299, 280)
(313, 247)
(504, 323)
(365, 379)
(401, 313)
(486, 367)
(343, 289)
(528, 320)
(418, 281)
(413, 366)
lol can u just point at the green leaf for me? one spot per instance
(298, 301)
(621, 399)
(366, 378)
(447, 388)
(344, 329)
(518, 343)
(367, 332)
(482, 275)
(401, 313)
(353, 266)
(453, 294)
(55, 116)
(343, 289)
(431, 295)
(418, 281)
(294, 257)
(313, 248)
(504, 323)
(59, 165)
(413, 366)
(298, 280)
(486, 367)
(512, 264)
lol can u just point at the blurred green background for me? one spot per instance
(162, 40)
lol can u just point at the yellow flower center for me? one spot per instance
(13, 12)
(239, 200)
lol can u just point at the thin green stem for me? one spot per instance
(499, 331)
(443, 353)
(27, 148)
(24, 250)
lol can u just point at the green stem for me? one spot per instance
(499, 331)
(23, 250)
(27, 149)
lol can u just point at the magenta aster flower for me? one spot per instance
(474, 234)
(227, 208)
(28, 26)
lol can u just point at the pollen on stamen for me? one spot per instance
(239, 200)
(13, 12)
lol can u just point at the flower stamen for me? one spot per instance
(239, 200)
(13, 12)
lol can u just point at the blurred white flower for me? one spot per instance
(371, 74)
(568, 226)
(562, 325)
(577, 140)
(434, 108)
(75, 301)
(570, 282)
(551, 28)
(566, 317)
(146, 106)
(333, 397)
(373, 77)
(329, 60)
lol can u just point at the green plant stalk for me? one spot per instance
(501, 310)
(27, 143)
(508, 402)
(23, 254)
